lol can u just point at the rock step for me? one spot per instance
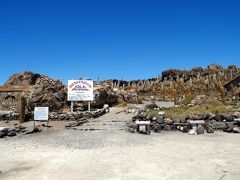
(97, 129)
(113, 121)
(104, 124)
(104, 127)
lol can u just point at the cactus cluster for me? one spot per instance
(176, 84)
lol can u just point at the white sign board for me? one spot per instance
(41, 113)
(80, 90)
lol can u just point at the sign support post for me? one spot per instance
(80, 90)
(71, 106)
(89, 106)
(41, 114)
(34, 124)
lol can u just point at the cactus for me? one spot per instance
(232, 91)
(188, 94)
(222, 93)
(174, 95)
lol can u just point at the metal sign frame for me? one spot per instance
(80, 90)
(41, 114)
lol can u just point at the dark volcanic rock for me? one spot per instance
(219, 125)
(185, 129)
(167, 128)
(156, 127)
(11, 133)
(228, 118)
(229, 129)
(160, 120)
(2, 134)
(200, 130)
(151, 106)
(218, 118)
(209, 130)
(35, 130)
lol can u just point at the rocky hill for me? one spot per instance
(41, 90)
(178, 85)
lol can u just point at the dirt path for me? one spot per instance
(117, 154)
(115, 120)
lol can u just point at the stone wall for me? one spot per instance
(9, 101)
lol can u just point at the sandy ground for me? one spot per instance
(116, 154)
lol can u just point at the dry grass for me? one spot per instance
(152, 113)
(215, 107)
(187, 100)
(123, 104)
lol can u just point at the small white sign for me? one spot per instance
(80, 90)
(41, 113)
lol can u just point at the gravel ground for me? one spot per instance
(58, 153)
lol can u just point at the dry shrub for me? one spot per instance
(123, 104)
(187, 100)
(215, 107)
(153, 113)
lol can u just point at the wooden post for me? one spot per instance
(22, 109)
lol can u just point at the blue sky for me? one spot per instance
(129, 39)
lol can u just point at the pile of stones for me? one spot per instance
(198, 124)
(79, 118)
(77, 115)
(57, 116)
(8, 116)
(18, 129)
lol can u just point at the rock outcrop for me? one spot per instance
(23, 79)
(40, 90)
(104, 95)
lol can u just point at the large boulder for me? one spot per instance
(53, 96)
(40, 90)
(103, 95)
(219, 125)
(129, 96)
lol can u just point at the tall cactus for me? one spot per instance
(232, 91)
(222, 93)
(174, 95)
